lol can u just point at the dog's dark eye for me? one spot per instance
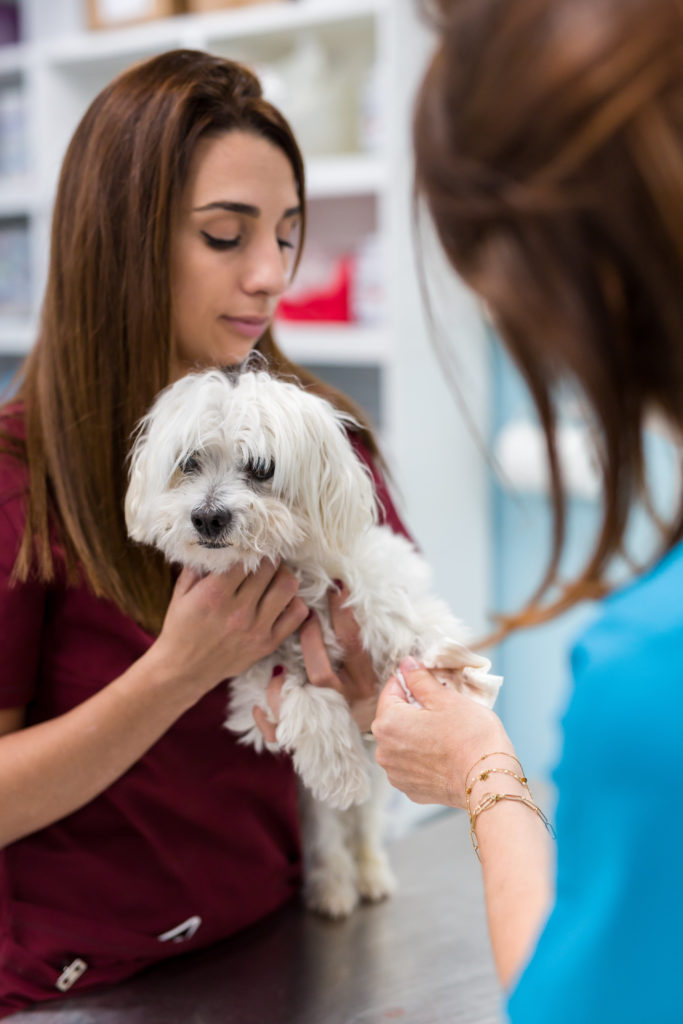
(260, 469)
(190, 464)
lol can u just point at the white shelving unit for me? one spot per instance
(353, 191)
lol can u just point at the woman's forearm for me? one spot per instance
(516, 858)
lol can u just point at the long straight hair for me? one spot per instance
(105, 346)
(549, 145)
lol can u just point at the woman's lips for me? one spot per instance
(249, 327)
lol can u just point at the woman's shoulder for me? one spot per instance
(642, 621)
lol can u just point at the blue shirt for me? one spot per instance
(612, 949)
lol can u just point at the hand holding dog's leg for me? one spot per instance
(266, 724)
(427, 750)
(355, 679)
(313, 725)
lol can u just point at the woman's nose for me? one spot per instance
(266, 269)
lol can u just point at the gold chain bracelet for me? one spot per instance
(483, 776)
(490, 800)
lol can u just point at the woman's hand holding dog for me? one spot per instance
(355, 680)
(217, 626)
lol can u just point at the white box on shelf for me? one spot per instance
(196, 6)
(103, 14)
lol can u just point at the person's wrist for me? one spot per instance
(494, 750)
(178, 683)
(497, 772)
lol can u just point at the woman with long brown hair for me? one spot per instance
(549, 147)
(132, 826)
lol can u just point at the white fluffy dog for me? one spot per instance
(231, 468)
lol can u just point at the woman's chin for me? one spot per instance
(232, 353)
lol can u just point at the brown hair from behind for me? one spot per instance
(549, 151)
(105, 345)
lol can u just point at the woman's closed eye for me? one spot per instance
(221, 243)
(214, 242)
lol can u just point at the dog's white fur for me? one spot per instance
(196, 452)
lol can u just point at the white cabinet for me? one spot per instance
(359, 170)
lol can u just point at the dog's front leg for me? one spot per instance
(317, 729)
(376, 880)
(330, 871)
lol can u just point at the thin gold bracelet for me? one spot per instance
(483, 776)
(490, 800)
(495, 753)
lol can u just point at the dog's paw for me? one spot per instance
(376, 880)
(331, 893)
(316, 728)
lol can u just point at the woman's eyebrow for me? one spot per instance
(244, 208)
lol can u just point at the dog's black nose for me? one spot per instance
(210, 523)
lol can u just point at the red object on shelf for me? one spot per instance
(332, 303)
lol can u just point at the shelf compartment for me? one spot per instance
(331, 343)
(362, 382)
(275, 18)
(259, 21)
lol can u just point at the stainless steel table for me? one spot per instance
(420, 958)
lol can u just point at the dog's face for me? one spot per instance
(235, 469)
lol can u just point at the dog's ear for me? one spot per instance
(161, 438)
(334, 489)
(143, 484)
